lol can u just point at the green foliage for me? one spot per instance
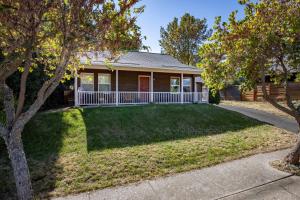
(50, 45)
(265, 42)
(181, 39)
(298, 77)
(214, 97)
(78, 26)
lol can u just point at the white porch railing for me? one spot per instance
(111, 98)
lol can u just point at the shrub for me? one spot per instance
(214, 98)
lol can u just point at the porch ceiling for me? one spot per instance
(145, 69)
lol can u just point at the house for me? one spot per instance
(137, 78)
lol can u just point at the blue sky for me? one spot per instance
(160, 12)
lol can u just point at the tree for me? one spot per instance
(38, 76)
(182, 39)
(52, 34)
(265, 42)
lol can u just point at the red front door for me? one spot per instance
(144, 84)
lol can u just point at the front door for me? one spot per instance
(144, 88)
(144, 85)
(197, 96)
(199, 87)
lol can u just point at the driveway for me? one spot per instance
(276, 120)
(248, 178)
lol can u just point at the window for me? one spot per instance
(175, 84)
(86, 81)
(187, 84)
(104, 82)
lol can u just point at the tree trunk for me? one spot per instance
(294, 156)
(20, 167)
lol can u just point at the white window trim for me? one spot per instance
(86, 73)
(174, 77)
(190, 85)
(139, 76)
(104, 84)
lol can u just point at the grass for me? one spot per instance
(86, 149)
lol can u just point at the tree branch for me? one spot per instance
(271, 100)
(45, 91)
(286, 87)
(8, 102)
(22, 92)
(3, 132)
(28, 27)
(8, 67)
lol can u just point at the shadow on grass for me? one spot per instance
(130, 126)
(42, 139)
(51, 137)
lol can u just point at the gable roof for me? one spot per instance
(143, 60)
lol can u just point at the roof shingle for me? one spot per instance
(141, 60)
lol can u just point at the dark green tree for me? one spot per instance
(181, 39)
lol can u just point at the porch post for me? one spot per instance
(151, 88)
(76, 89)
(181, 90)
(117, 87)
(195, 91)
(207, 96)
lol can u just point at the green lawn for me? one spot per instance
(85, 149)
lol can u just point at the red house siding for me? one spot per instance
(128, 80)
(162, 83)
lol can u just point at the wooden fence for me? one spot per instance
(275, 91)
(231, 93)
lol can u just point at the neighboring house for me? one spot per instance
(138, 78)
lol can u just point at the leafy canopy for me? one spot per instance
(265, 42)
(36, 32)
(42, 30)
(47, 36)
(181, 39)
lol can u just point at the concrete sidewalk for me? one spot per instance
(276, 120)
(248, 178)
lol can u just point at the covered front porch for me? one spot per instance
(121, 87)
